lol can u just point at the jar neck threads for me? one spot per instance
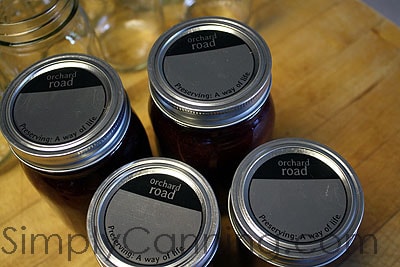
(17, 31)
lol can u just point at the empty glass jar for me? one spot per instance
(127, 31)
(32, 30)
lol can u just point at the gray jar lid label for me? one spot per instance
(209, 65)
(153, 219)
(297, 198)
(59, 106)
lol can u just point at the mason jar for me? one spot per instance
(154, 212)
(210, 82)
(296, 202)
(126, 31)
(69, 122)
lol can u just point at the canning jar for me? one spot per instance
(210, 81)
(69, 122)
(154, 212)
(126, 31)
(295, 202)
(33, 30)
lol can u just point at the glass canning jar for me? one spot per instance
(69, 122)
(33, 30)
(210, 81)
(288, 188)
(155, 208)
(126, 31)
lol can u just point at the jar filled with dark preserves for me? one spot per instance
(69, 122)
(287, 188)
(154, 212)
(210, 81)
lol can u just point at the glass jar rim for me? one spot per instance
(33, 30)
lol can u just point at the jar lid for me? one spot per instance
(294, 202)
(154, 212)
(65, 112)
(210, 72)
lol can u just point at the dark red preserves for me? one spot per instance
(68, 120)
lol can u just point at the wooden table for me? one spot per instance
(336, 76)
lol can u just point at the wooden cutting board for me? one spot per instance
(336, 76)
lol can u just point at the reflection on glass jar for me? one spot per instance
(234, 9)
(174, 12)
(127, 32)
(96, 8)
(33, 30)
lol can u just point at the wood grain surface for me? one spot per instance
(336, 76)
